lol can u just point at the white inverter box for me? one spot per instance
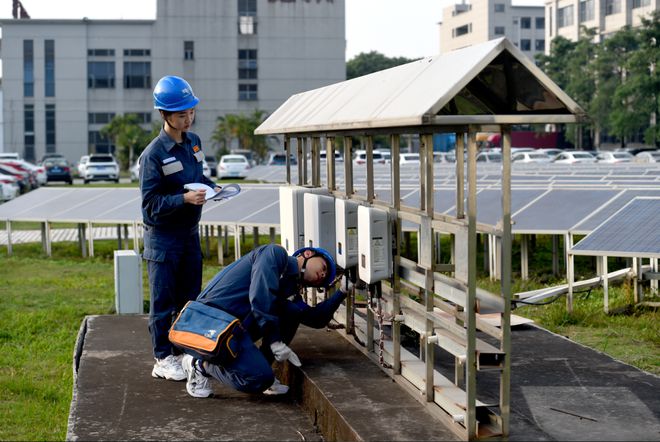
(128, 282)
(374, 245)
(320, 222)
(346, 252)
(292, 215)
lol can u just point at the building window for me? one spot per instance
(137, 52)
(100, 117)
(50, 128)
(612, 7)
(525, 44)
(188, 50)
(640, 3)
(565, 16)
(499, 7)
(500, 30)
(142, 117)
(247, 64)
(28, 68)
(99, 143)
(540, 23)
(525, 22)
(28, 131)
(247, 13)
(49, 67)
(247, 92)
(462, 30)
(586, 11)
(137, 75)
(101, 74)
(539, 44)
(101, 52)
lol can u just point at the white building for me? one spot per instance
(478, 21)
(565, 17)
(65, 79)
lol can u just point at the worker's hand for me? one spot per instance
(282, 353)
(195, 197)
(347, 285)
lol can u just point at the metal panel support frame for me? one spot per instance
(469, 419)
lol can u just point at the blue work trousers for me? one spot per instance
(174, 265)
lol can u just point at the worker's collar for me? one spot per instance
(167, 141)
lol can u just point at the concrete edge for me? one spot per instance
(77, 354)
(325, 417)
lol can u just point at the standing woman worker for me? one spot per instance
(171, 216)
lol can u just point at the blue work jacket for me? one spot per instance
(258, 282)
(165, 166)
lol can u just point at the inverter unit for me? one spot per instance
(346, 251)
(292, 215)
(374, 245)
(319, 222)
(128, 282)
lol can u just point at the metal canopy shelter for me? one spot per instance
(485, 87)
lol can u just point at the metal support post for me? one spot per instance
(10, 249)
(470, 304)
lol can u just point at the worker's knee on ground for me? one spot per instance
(258, 382)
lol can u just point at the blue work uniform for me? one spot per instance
(262, 287)
(171, 236)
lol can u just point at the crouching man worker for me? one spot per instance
(263, 290)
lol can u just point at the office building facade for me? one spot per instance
(565, 17)
(478, 21)
(63, 80)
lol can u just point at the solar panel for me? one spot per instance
(632, 231)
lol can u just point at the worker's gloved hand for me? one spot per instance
(347, 285)
(282, 353)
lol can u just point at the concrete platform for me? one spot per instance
(559, 391)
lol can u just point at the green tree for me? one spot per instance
(240, 127)
(368, 62)
(129, 138)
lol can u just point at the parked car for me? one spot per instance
(409, 158)
(444, 157)
(206, 170)
(135, 171)
(614, 157)
(489, 157)
(338, 157)
(530, 157)
(82, 163)
(9, 187)
(648, 156)
(572, 157)
(58, 169)
(279, 159)
(387, 155)
(9, 156)
(35, 176)
(22, 178)
(233, 166)
(360, 157)
(48, 156)
(213, 164)
(550, 151)
(100, 167)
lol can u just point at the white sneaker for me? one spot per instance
(197, 384)
(168, 368)
(276, 389)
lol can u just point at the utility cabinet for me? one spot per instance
(128, 282)
(319, 222)
(292, 215)
(374, 245)
(347, 238)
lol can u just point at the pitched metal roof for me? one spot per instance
(489, 83)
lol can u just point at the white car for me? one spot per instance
(550, 151)
(444, 157)
(135, 171)
(387, 155)
(206, 170)
(82, 164)
(409, 158)
(648, 157)
(574, 157)
(233, 166)
(530, 157)
(489, 157)
(360, 157)
(100, 167)
(39, 172)
(338, 157)
(9, 188)
(614, 157)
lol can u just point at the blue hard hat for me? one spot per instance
(332, 267)
(174, 94)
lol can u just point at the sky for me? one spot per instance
(396, 28)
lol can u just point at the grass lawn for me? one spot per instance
(44, 300)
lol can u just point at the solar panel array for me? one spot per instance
(545, 199)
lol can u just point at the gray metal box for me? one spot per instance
(128, 282)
